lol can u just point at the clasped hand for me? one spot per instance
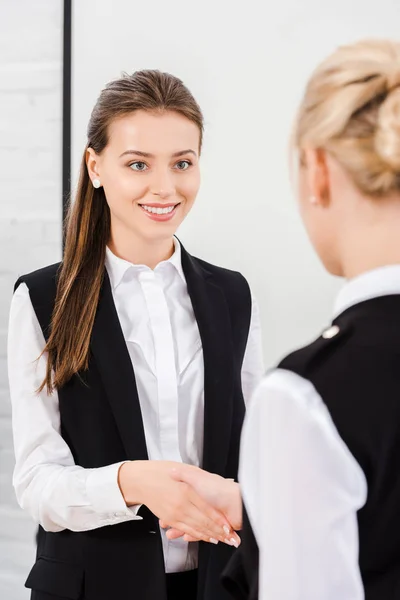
(222, 494)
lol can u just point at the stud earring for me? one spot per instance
(313, 200)
(96, 183)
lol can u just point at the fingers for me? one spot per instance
(192, 533)
(210, 518)
(211, 523)
(197, 536)
(189, 508)
(192, 516)
(233, 541)
(187, 538)
(174, 534)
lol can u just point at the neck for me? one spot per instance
(372, 244)
(140, 251)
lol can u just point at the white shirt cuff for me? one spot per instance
(105, 495)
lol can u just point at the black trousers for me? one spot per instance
(182, 586)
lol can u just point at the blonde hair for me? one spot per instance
(351, 108)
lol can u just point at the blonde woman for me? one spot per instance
(320, 456)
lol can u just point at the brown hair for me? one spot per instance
(351, 108)
(87, 228)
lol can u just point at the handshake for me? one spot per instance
(189, 502)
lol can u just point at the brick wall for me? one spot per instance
(30, 216)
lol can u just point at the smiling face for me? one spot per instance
(150, 173)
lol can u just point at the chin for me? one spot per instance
(157, 233)
(332, 266)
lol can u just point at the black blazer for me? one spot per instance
(101, 422)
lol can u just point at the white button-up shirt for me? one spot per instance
(303, 504)
(163, 341)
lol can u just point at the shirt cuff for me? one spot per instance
(105, 496)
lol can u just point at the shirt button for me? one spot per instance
(330, 332)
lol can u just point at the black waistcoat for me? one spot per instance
(102, 424)
(357, 374)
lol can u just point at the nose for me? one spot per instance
(163, 185)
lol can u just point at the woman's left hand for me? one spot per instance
(222, 494)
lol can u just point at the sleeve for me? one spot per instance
(253, 362)
(302, 489)
(56, 492)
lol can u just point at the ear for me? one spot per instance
(93, 164)
(317, 175)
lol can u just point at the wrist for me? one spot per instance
(130, 480)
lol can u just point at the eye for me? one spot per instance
(138, 165)
(183, 165)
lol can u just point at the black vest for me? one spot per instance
(357, 373)
(102, 424)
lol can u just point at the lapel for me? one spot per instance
(212, 315)
(115, 367)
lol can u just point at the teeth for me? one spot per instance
(158, 211)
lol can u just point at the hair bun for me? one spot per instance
(393, 77)
(387, 137)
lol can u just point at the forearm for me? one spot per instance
(70, 497)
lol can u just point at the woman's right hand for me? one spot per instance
(174, 502)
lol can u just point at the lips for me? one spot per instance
(160, 212)
(158, 208)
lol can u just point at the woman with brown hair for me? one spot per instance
(320, 456)
(143, 352)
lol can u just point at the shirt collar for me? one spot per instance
(176, 259)
(384, 281)
(117, 267)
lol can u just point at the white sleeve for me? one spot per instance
(302, 488)
(57, 493)
(253, 362)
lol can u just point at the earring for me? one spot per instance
(313, 200)
(96, 183)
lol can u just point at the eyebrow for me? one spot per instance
(148, 155)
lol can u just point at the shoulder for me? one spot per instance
(41, 279)
(327, 347)
(351, 375)
(225, 276)
(344, 354)
(339, 368)
(42, 290)
(37, 290)
(235, 289)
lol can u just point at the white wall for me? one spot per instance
(30, 217)
(246, 63)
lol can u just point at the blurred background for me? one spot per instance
(246, 64)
